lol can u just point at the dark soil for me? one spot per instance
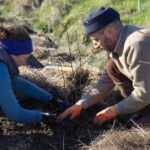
(66, 135)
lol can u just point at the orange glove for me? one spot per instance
(73, 111)
(105, 115)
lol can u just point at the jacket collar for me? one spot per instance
(7, 59)
(121, 40)
(124, 34)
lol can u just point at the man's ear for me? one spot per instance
(109, 32)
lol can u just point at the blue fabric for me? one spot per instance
(17, 47)
(9, 104)
(27, 88)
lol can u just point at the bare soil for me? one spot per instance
(67, 135)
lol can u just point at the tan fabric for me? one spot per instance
(98, 92)
(133, 49)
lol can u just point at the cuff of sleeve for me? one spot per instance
(117, 109)
(83, 102)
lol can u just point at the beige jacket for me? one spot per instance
(133, 49)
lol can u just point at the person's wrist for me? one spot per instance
(83, 104)
(114, 111)
(117, 109)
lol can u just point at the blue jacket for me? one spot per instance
(8, 101)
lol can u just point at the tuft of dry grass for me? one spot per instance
(122, 140)
(67, 85)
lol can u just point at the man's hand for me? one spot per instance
(105, 115)
(72, 111)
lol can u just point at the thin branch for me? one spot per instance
(63, 75)
(138, 126)
(63, 144)
(69, 51)
(80, 59)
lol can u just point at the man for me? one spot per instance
(128, 67)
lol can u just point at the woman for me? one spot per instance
(15, 49)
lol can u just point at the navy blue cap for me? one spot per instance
(99, 18)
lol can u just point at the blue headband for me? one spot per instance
(17, 47)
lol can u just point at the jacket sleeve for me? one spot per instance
(9, 104)
(98, 92)
(27, 88)
(140, 71)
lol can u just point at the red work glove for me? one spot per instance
(72, 111)
(105, 115)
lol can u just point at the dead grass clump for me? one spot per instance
(77, 80)
(79, 77)
(122, 140)
(64, 85)
(48, 80)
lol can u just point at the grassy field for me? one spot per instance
(61, 16)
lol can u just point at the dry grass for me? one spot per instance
(67, 85)
(122, 140)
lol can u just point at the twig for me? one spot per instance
(63, 142)
(83, 144)
(114, 122)
(69, 51)
(45, 141)
(80, 59)
(73, 72)
(137, 126)
(89, 135)
(63, 75)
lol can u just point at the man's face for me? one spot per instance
(102, 40)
